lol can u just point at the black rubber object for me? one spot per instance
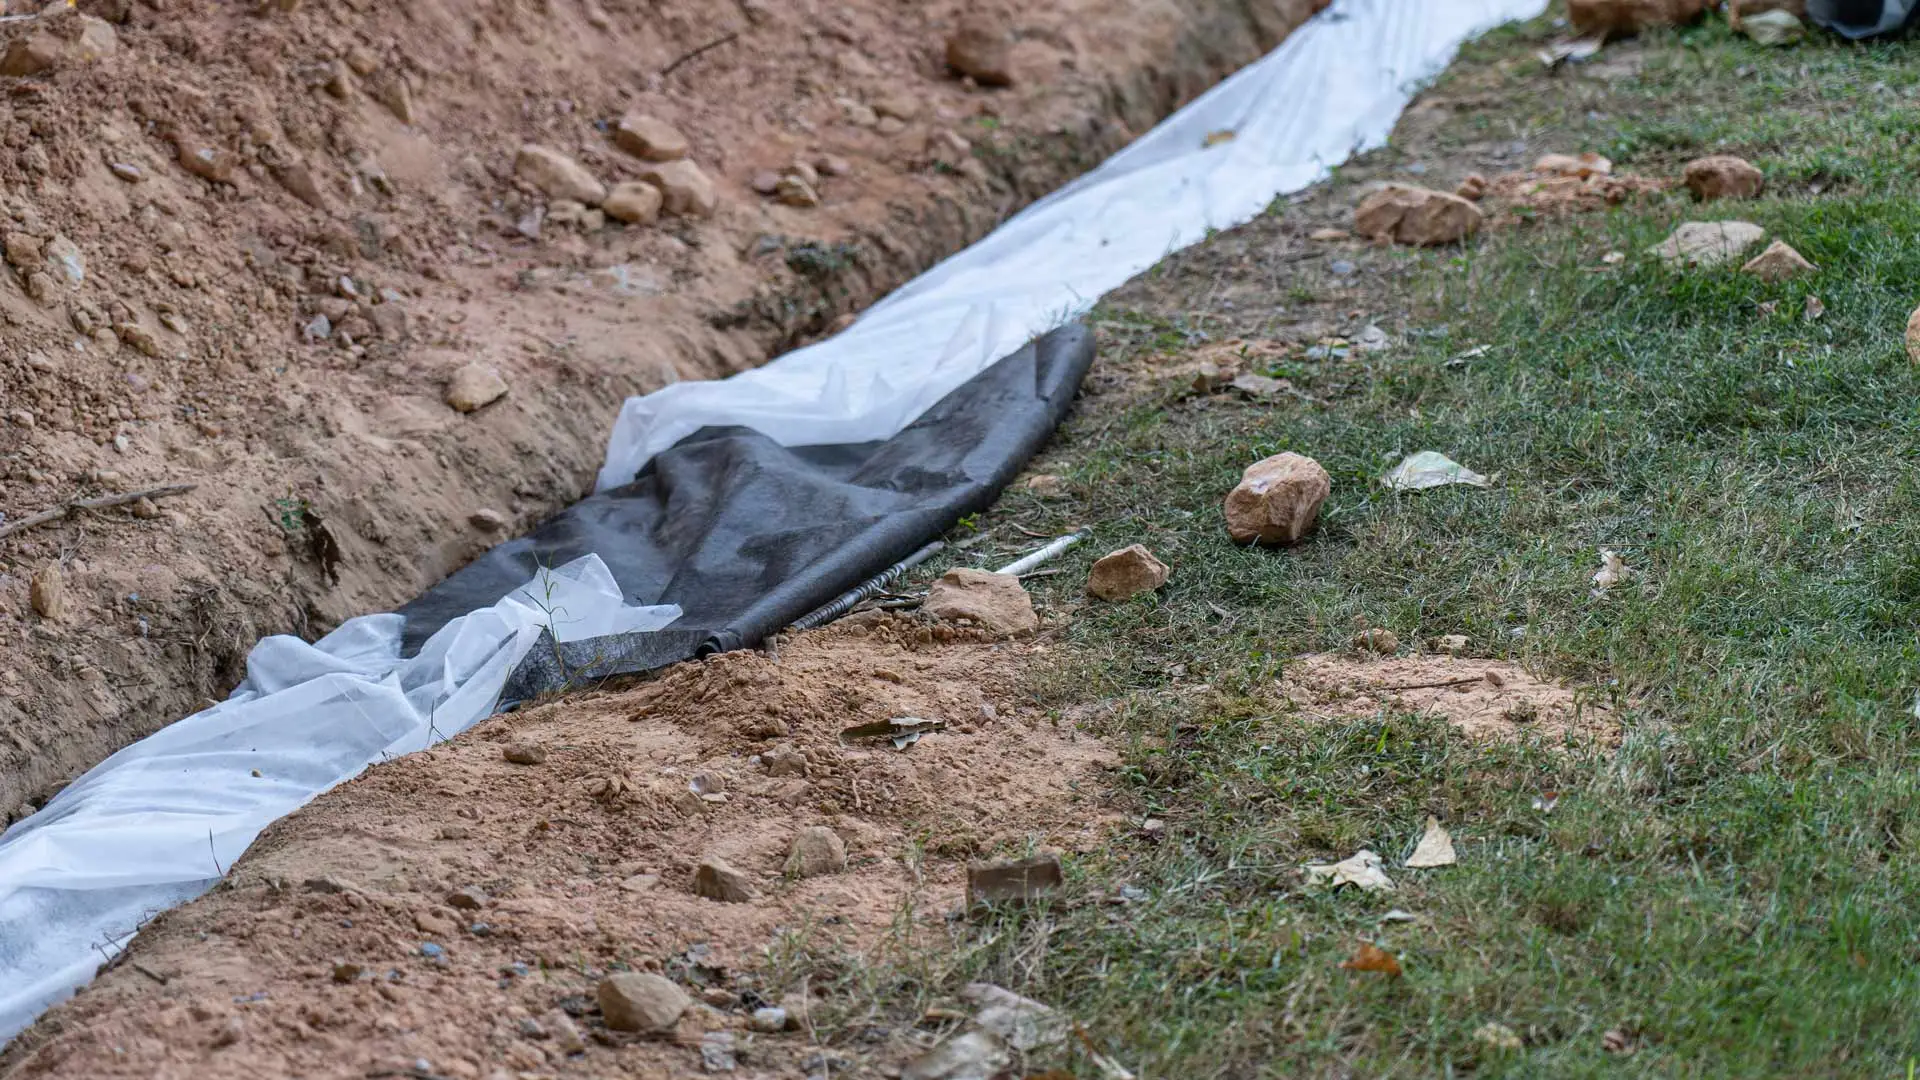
(747, 536)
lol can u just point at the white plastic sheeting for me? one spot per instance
(154, 824)
(150, 826)
(1335, 86)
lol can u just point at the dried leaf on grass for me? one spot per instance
(1612, 572)
(1431, 469)
(1370, 957)
(1814, 308)
(1435, 847)
(1364, 869)
(1498, 1036)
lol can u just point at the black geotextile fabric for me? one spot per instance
(747, 536)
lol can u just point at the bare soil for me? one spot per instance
(332, 477)
(1485, 699)
(332, 950)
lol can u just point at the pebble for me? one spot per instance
(716, 1052)
(475, 386)
(565, 1034)
(649, 138)
(48, 593)
(470, 898)
(489, 521)
(769, 1020)
(641, 1001)
(633, 202)
(795, 191)
(716, 880)
(318, 328)
(979, 49)
(684, 188)
(816, 850)
(1376, 640)
(558, 176)
(524, 753)
(765, 182)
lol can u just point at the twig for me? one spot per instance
(1434, 685)
(211, 850)
(711, 45)
(100, 503)
(1040, 573)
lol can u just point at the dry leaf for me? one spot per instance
(1431, 469)
(1435, 848)
(1546, 801)
(1612, 572)
(1617, 1041)
(1370, 957)
(1364, 869)
(1814, 308)
(1498, 1036)
(1259, 386)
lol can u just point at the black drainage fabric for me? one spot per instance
(747, 535)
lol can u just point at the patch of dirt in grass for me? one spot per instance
(1485, 699)
(585, 863)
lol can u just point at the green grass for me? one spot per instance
(1736, 886)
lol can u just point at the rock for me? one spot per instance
(1277, 500)
(974, 1055)
(834, 165)
(1024, 1023)
(300, 183)
(32, 54)
(1452, 644)
(979, 49)
(649, 138)
(785, 761)
(715, 880)
(318, 328)
(563, 1031)
(633, 202)
(390, 319)
(362, 62)
(717, 1052)
(475, 386)
(24, 251)
(97, 40)
(642, 1002)
(139, 337)
(994, 601)
(558, 176)
(1778, 263)
(397, 96)
(1581, 167)
(1125, 573)
(470, 898)
(685, 190)
(768, 1020)
(1047, 486)
(344, 972)
(1415, 215)
(1329, 236)
(205, 161)
(897, 107)
(1020, 881)
(48, 593)
(816, 850)
(795, 191)
(765, 182)
(127, 171)
(1473, 188)
(1376, 640)
(1723, 176)
(524, 753)
(1620, 18)
(1913, 336)
(1707, 243)
(1773, 28)
(434, 924)
(487, 520)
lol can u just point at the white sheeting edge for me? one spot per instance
(153, 825)
(144, 829)
(1335, 86)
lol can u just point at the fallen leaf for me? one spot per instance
(1814, 308)
(1372, 339)
(1364, 869)
(1397, 915)
(1259, 385)
(1569, 50)
(1435, 848)
(1617, 1041)
(1431, 469)
(1612, 572)
(1546, 801)
(1707, 243)
(1370, 957)
(1498, 1036)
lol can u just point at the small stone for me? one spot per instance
(344, 972)
(765, 182)
(139, 337)
(860, 115)
(715, 880)
(127, 171)
(487, 520)
(1128, 572)
(24, 251)
(205, 161)
(973, 1055)
(684, 188)
(33, 54)
(834, 165)
(298, 179)
(1778, 263)
(768, 1020)
(785, 761)
(564, 1032)
(996, 602)
(469, 898)
(1406, 214)
(524, 753)
(1277, 500)
(558, 176)
(716, 1052)
(1020, 881)
(362, 61)
(434, 924)
(649, 138)
(1376, 640)
(318, 328)
(979, 49)
(633, 202)
(1473, 188)
(1047, 486)
(339, 82)
(642, 1002)
(475, 386)
(145, 510)
(795, 191)
(816, 850)
(897, 107)
(397, 96)
(48, 593)
(1452, 644)
(390, 319)
(21, 418)
(1723, 176)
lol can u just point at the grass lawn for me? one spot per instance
(1733, 889)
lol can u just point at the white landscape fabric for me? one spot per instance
(155, 824)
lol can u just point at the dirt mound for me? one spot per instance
(443, 906)
(248, 246)
(1490, 699)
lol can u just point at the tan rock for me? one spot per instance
(1374, 639)
(1415, 215)
(141, 338)
(96, 40)
(524, 752)
(1581, 166)
(298, 179)
(980, 49)
(24, 251)
(475, 386)
(48, 592)
(816, 850)
(397, 96)
(649, 138)
(684, 188)
(1913, 336)
(633, 202)
(1620, 18)
(1277, 500)
(32, 54)
(1128, 572)
(1473, 188)
(558, 176)
(205, 160)
(1778, 263)
(795, 191)
(995, 602)
(1707, 243)
(1723, 176)
(897, 107)
(716, 880)
(641, 1001)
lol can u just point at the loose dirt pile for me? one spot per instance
(1485, 699)
(450, 913)
(299, 255)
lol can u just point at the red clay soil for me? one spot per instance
(337, 946)
(248, 245)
